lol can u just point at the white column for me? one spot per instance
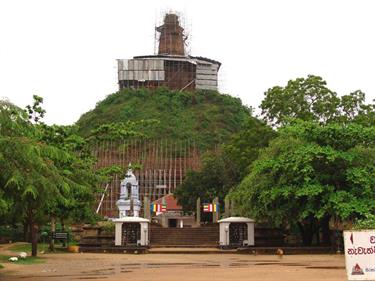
(144, 233)
(250, 233)
(224, 234)
(118, 233)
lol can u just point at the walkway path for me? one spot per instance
(181, 267)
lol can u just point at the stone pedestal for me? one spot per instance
(142, 240)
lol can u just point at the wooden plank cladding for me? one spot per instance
(176, 73)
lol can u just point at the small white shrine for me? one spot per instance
(236, 232)
(130, 229)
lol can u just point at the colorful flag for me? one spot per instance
(158, 208)
(154, 208)
(209, 208)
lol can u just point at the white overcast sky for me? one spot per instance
(66, 51)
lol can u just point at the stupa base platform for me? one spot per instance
(188, 249)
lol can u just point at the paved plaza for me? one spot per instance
(171, 267)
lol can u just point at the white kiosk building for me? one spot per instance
(236, 232)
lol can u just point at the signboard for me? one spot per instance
(360, 254)
(60, 235)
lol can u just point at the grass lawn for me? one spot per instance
(28, 260)
(27, 247)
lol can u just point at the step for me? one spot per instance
(193, 245)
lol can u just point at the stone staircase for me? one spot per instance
(95, 239)
(204, 236)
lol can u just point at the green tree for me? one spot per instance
(225, 168)
(366, 223)
(310, 99)
(45, 169)
(122, 130)
(310, 174)
(354, 109)
(208, 183)
(206, 117)
(243, 148)
(29, 178)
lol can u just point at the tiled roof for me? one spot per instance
(170, 201)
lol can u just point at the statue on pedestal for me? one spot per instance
(130, 229)
(129, 203)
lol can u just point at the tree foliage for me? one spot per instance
(206, 117)
(208, 183)
(122, 130)
(243, 148)
(365, 223)
(310, 173)
(310, 99)
(45, 170)
(224, 168)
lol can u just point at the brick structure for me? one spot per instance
(171, 67)
(172, 40)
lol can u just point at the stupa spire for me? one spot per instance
(171, 40)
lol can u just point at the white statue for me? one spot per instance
(129, 195)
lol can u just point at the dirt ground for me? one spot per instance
(181, 267)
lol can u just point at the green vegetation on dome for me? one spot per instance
(206, 117)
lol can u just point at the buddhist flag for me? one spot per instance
(209, 208)
(155, 208)
(215, 208)
(158, 208)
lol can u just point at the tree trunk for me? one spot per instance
(326, 236)
(34, 239)
(317, 233)
(27, 226)
(53, 230)
(62, 229)
(30, 234)
(26, 232)
(307, 233)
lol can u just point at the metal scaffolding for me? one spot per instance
(164, 164)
